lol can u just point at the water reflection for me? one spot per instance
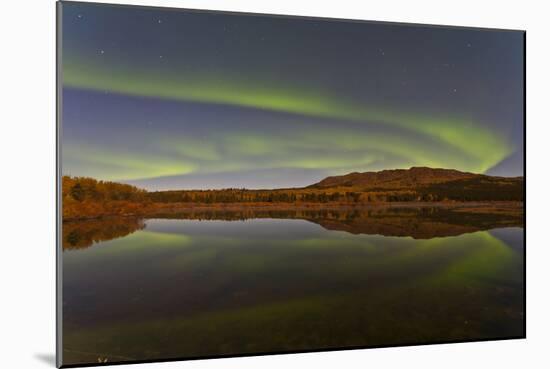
(419, 223)
(189, 287)
(82, 234)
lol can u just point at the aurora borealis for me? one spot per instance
(177, 99)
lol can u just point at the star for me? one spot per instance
(468, 45)
(159, 21)
(102, 51)
(454, 89)
(160, 56)
(79, 16)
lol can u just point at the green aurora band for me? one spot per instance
(459, 143)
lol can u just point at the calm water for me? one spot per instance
(176, 288)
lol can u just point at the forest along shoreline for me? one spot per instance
(86, 198)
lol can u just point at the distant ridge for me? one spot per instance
(401, 178)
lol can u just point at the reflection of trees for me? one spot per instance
(416, 222)
(82, 234)
(427, 222)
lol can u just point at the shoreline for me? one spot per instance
(159, 209)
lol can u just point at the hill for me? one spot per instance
(395, 178)
(427, 184)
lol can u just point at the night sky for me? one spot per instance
(168, 99)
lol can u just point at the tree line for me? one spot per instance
(251, 196)
(84, 197)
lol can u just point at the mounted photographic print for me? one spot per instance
(238, 184)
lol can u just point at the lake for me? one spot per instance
(230, 283)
